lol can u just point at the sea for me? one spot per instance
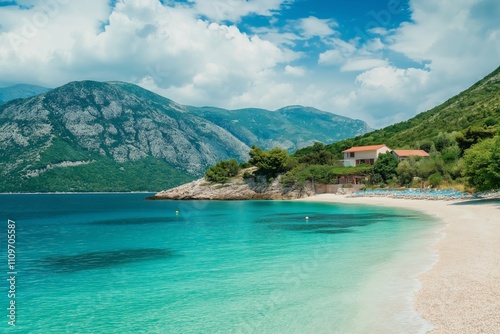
(117, 263)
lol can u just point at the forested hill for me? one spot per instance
(462, 136)
(476, 107)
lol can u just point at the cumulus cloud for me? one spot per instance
(362, 64)
(196, 53)
(349, 57)
(312, 26)
(471, 32)
(234, 10)
(331, 57)
(167, 49)
(297, 71)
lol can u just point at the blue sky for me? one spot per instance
(382, 61)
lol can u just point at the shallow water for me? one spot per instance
(115, 263)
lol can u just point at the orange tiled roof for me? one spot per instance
(409, 153)
(364, 148)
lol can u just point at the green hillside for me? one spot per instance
(478, 106)
(20, 91)
(462, 136)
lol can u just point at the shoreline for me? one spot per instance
(460, 293)
(82, 193)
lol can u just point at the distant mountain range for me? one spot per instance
(20, 91)
(114, 136)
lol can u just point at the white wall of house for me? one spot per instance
(363, 155)
(349, 162)
(382, 150)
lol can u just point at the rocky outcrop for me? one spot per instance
(238, 188)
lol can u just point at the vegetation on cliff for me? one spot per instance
(222, 171)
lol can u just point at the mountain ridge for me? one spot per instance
(20, 91)
(113, 125)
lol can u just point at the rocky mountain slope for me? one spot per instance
(291, 127)
(114, 136)
(20, 91)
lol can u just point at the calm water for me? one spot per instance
(120, 264)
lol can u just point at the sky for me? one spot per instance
(382, 61)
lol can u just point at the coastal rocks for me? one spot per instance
(236, 189)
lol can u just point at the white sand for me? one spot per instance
(461, 293)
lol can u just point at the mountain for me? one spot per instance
(291, 127)
(114, 136)
(20, 91)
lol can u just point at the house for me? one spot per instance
(363, 154)
(405, 154)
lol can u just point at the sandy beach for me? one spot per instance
(461, 292)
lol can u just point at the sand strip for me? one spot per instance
(461, 292)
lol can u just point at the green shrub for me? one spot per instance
(222, 171)
(247, 175)
(482, 164)
(435, 180)
(270, 163)
(245, 164)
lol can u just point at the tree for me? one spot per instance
(222, 171)
(317, 155)
(471, 136)
(444, 140)
(270, 163)
(386, 166)
(482, 164)
(426, 145)
(406, 171)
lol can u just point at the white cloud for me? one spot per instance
(451, 34)
(167, 49)
(349, 58)
(384, 95)
(379, 31)
(331, 57)
(391, 79)
(373, 45)
(312, 26)
(362, 64)
(277, 37)
(446, 47)
(297, 71)
(234, 10)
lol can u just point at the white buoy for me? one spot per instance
(176, 213)
(307, 218)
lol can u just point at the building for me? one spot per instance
(363, 154)
(405, 154)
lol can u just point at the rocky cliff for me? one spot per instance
(239, 188)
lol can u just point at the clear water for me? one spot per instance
(115, 263)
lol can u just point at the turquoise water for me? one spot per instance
(115, 263)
